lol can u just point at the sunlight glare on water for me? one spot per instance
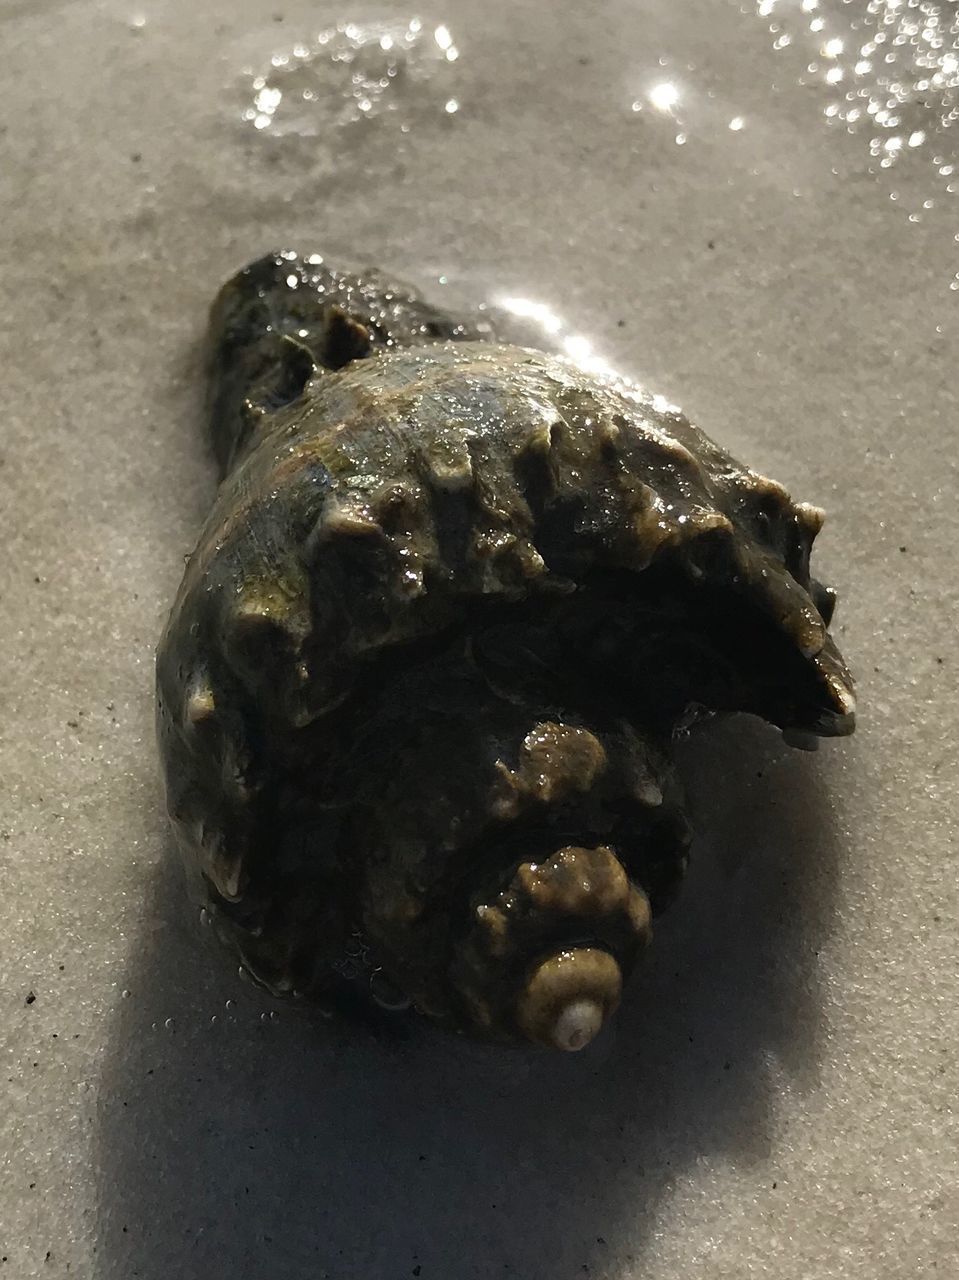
(888, 70)
(351, 73)
(556, 337)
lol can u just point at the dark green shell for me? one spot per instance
(415, 566)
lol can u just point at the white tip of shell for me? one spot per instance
(578, 1024)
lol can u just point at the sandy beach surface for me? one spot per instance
(752, 208)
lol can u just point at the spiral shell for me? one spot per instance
(420, 680)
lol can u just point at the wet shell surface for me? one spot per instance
(417, 692)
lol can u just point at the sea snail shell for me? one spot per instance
(417, 691)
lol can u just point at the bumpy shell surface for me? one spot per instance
(448, 609)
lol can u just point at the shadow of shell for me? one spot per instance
(251, 1138)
